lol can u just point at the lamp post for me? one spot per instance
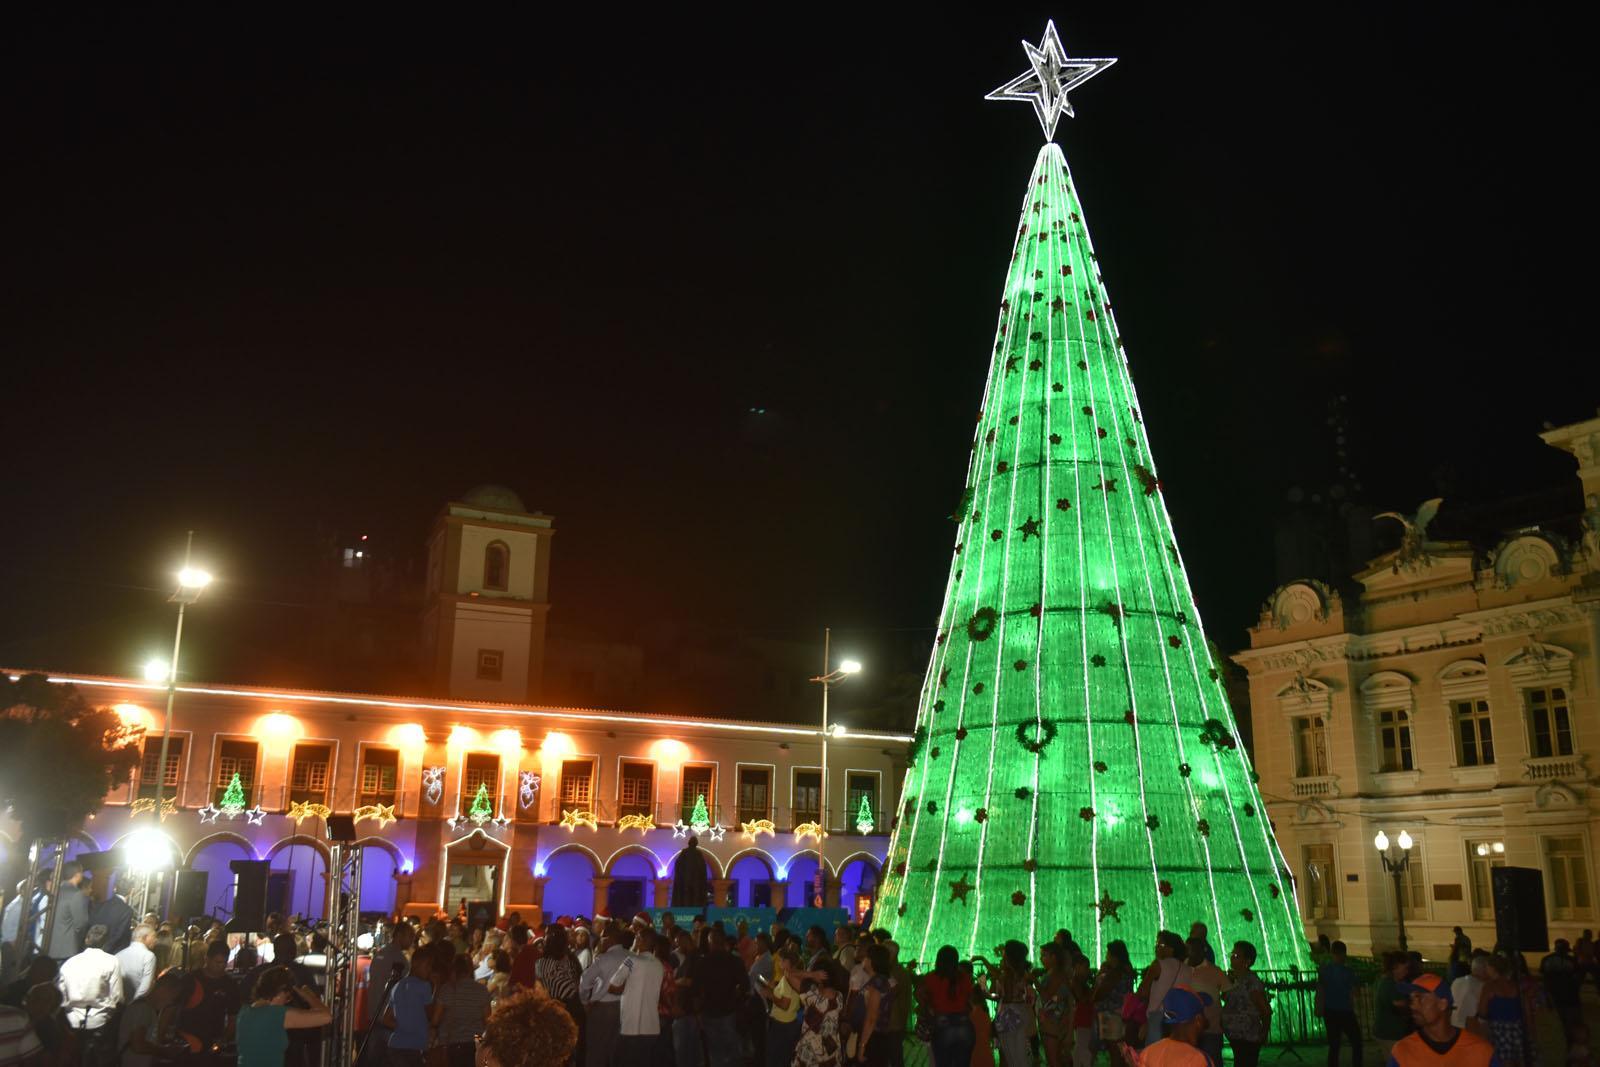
(1396, 857)
(191, 583)
(829, 676)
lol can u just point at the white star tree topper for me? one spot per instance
(1052, 76)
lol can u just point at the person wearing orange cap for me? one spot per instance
(1436, 1042)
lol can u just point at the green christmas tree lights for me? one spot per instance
(233, 799)
(482, 810)
(1077, 764)
(700, 817)
(864, 816)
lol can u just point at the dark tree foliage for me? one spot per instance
(59, 755)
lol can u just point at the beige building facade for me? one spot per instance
(1457, 699)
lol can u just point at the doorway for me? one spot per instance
(469, 882)
(625, 897)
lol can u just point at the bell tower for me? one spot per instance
(487, 597)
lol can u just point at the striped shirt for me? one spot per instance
(465, 1004)
(558, 976)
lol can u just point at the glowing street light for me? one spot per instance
(1396, 857)
(829, 676)
(157, 670)
(192, 581)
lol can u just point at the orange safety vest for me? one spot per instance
(1469, 1050)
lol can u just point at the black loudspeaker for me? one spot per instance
(249, 896)
(341, 828)
(1519, 922)
(189, 895)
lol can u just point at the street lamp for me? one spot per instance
(829, 676)
(1396, 857)
(192, 581)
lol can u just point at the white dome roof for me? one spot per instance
(493, 498)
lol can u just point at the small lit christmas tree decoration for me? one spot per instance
(700, 817)
(233, 799)
(481, 810)
(1070, 696)
(864, 816)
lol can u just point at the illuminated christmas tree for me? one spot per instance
(482, 810)
(864, 815)
(1077, 764)
(233, 799)
(700, 818)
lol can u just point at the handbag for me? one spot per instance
(1134, 1009)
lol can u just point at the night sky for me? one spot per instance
(720, 295)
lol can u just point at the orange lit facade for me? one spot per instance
(554, 810)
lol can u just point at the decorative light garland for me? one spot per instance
(301, 810)
(571, 820)
(643, 823)
(382, 814)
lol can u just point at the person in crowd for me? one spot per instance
(558, 972)
(137, 961)
(744, 945)
(603, 1007)
(582, 947)
(1559, 972)
(72, 913)
(1434, 1040)
(112, 912)
(1063, 941)
(499, 981)
(665, 1003)
(1113, 987)
(528, 1029)
(91, 992)
(464, 1004)
(816, 948)
(1464, 992)
(524, 957)
(876, 999)
(1183, 1020)
(1206, 979)
(140, 1040)
(41, 969)
(844, 947)
(760, 966)
(719, 982)
(901, 998)
(18, 1042)
(210, 1003)
(638, 982)
(1015, 1021)
(264, 1024)
(1501, 1009)
(12, 917)
(683, 947)
(1391, 1009)
(43, 1006)
(1165, 971)
(1055, 1004)
(413, 1011)
(1246, 1012)
(1460, 953)
(388, 966)
(982, 1025)
(1335, 1004)
(1198, 932)
(1080, 986)
(1588, 959)
(782, 994)
(823, 1003)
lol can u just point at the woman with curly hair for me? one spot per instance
(528, 1029)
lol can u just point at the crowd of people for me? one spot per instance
(649, 994)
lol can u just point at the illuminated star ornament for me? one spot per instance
(383, 814)
(1108, 907)
(1052, 76)
(300, 810)
(574, 819)
(254, 815)
(959, 890)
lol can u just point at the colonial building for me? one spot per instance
(560, 810)
(1453, 697)
(479, 793)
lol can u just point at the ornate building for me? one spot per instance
(480, 794)
(1454, 697)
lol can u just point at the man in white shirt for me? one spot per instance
(12, 917)
(638, 980)
(91, 990)
(594, 989)
(1464, 991)
(138, 963)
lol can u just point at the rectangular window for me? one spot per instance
(236, 757)
(1394, 740)
(1549, 723)
(1482, 858)
(807, 801)
(1414, 885)
(308, 775)
(152, 756)
(636, 792)
(490, 661)
(697, 782)
(1474, 733)
(859, 787)
(1321, 882)
(1567, 867)
(482, 769)
(1310, 747)
(755, 794)
(380, 776)
(577, 785)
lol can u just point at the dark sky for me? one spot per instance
(294, 272)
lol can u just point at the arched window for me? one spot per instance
(496, 566)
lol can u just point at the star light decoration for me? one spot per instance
(147, 806)
(574, 819)
(301, 810)
(809, 829)
(383, 813)
(1051, 77)
(714, 831)
(759, 826)
(643, 823)
(1108, 908)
